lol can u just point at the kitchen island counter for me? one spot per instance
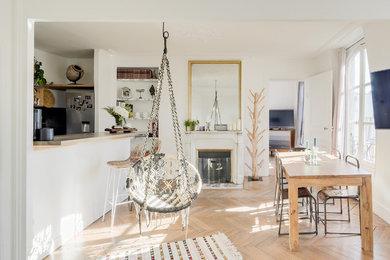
(67, 185)
(65, 140)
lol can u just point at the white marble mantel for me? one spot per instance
(206, 140)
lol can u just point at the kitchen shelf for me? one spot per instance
(68, 86)
(132, 118)
(135, 78)
(138, 80)
(134, 99)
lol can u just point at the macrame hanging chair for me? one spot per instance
(161, 183)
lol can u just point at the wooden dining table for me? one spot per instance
(329, 171)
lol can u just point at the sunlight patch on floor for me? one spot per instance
(42, 244)
(259, 228)
(262, 212)
(241, 209)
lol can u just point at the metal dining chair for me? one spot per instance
(277, 168)
(315, 190)
(341, 193)
(303, 193)
(295, 149)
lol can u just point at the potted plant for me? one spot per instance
(194, 124)
(188, 124)
(120, 114)
(39, 79)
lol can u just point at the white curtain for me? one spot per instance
(300, 111)
(339, 108)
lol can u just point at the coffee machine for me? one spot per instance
(37, 121)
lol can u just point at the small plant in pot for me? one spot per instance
(188, 124)
(194, 124)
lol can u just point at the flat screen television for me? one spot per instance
(380, 84)
(281, 118)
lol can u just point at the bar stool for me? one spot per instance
(117, 169)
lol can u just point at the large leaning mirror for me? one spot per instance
(214, 89)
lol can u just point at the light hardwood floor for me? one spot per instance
(246, 216)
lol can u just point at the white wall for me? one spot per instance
(7, 158)
(55, 67)
(256, 73)
(378, 42)
(105, 89)
(283, 94)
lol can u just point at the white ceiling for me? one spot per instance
(286, 39)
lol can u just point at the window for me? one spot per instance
(360, 131)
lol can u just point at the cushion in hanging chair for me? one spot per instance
(167, 190)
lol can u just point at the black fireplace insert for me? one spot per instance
(214, 166)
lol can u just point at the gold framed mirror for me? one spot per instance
(208, 79)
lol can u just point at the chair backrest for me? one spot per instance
(276, 166)
(279, 170)
(352, 160)
(298, 149)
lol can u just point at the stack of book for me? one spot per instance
(130, 73)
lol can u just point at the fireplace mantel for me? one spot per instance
(218, 140)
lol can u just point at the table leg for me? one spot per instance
(294, 229)
(366, 214)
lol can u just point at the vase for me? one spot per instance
(118, 123)
(188, 128)
(74, 73)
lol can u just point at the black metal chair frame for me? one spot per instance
(280, 200)
(352, 196)
(337, 152)
(276, 188)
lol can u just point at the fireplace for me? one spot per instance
(214, 166)
(229, 143)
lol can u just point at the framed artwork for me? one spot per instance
(126, 93)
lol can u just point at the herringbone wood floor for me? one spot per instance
(246, 216)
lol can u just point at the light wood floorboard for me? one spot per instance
(246, 216)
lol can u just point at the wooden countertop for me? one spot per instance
(213, 132)
(65, 140)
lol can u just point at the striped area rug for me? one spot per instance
(216, 246)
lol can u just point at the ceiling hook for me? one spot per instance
(165, 36)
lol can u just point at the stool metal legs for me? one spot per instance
(115, 189)
(113, 186)
(108, 187)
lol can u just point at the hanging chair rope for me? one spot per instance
(161, 183)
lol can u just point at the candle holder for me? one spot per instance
(140, 90)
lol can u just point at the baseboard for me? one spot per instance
(382, 211)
